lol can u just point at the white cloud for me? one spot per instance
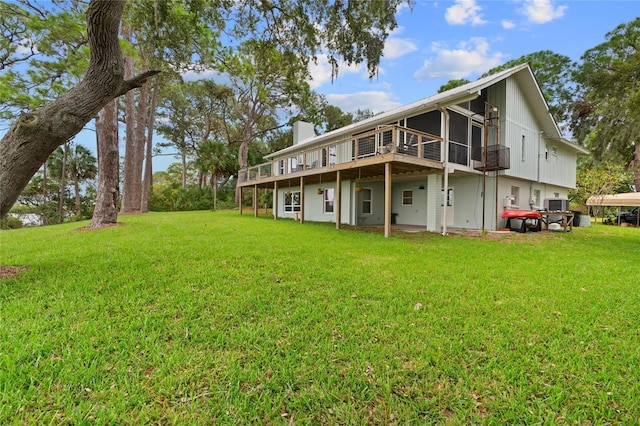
(463, 12)
(473, 56)
(376, 101)
(508, 25)
(542, 11)
(395, 48)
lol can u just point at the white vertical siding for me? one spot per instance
(518, 121)
(559, 167)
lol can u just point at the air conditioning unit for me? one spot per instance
(556, 204)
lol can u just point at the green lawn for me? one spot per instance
(217, 318)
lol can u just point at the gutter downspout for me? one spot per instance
(446, 169)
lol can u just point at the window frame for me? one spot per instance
(408, 198)
(291, 207)
(328, 201)
(449, 197)
(515, 194)
(366, 200)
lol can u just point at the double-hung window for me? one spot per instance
(407, 197)
(328, 200)
(366, 200)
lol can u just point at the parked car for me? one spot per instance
(629, 217)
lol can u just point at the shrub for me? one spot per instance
(10, 222)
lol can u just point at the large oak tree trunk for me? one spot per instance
(35, 135)
(106, 209)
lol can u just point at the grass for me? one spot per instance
(217, 318)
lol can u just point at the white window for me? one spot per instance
(515, 196)
(292, 201)
(407, 197)
(333, 155)
(366, 200)
(328, 200)
(536, 198)
(449, 197)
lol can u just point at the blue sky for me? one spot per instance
(442, 40)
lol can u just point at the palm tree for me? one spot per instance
(214, 158)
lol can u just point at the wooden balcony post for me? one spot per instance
(387, 200)
(275, 200)
(394, 139)
(255, 200)
(355, 148)
(420, 146)
(240, 203)
(338, 198)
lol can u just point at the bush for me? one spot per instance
(10, 222)
(190, 198)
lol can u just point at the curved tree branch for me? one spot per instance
(34, 136)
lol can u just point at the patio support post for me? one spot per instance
(301, 199)
(255, 201)
(240, 202)
(387, 200)
(338, 198)
(275, 200)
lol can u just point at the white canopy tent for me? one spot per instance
(628, 199)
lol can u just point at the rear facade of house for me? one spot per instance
(453, 160)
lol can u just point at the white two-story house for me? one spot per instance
(452, 160)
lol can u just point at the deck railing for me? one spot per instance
(386, 140)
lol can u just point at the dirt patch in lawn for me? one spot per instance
(10, 271)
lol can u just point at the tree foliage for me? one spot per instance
(554, 75)
(50, 42)
(606, 114)
(185, 34)
(452, 84)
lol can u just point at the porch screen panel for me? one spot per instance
(458, 138)
(428, 122)
(476, 143)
